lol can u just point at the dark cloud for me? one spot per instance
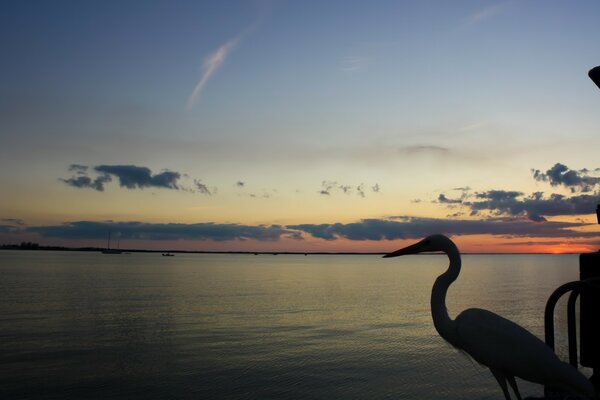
(78, 168)
(561, 175)
(368, 229)
(444, 200)
(263, 196)
(11, 225)
(329, 187)
(202, 188)
(171, 231)
(405, 227)
(550, 243)
(535, 206)
(13, 221)
(513, 203)
(464, 194)
(83, 181)
(347, 189)
(499, 195)
(360, 190)
(457, 214)
(131, 176)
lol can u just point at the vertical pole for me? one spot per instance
(589, 305)
(572, 327)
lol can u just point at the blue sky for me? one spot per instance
(290, 98)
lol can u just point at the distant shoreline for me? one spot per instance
(324, 253)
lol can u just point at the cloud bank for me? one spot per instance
(136, 230)
(398, 227)
(407, 227)
(6, 228)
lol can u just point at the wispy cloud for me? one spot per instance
(211, 64)
(329, 187)
(474, 126)
(424, 149)
(350, 64)
(202, 188)
(13, 221)
(486, 13)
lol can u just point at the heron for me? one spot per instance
(506, 348)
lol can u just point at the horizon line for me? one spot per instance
(248, 252)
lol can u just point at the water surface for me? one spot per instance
(142, 326)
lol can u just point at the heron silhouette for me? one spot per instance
(506, 348)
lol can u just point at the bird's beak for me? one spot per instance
(412, 249)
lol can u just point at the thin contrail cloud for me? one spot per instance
(487, 13)
(215, 60)
(210, 65)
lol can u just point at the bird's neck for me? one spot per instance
(441, 320)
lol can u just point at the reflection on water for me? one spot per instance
(246, 327)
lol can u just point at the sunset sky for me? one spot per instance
(300, 125)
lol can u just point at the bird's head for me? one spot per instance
(429, 244)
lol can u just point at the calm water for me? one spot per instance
(79, 325)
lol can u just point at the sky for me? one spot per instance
(300, 125)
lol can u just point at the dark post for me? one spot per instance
(589, 306)
(589, 267)
(594, 75)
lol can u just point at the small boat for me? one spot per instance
(168, 254)
(112, 251)
(108, 250)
